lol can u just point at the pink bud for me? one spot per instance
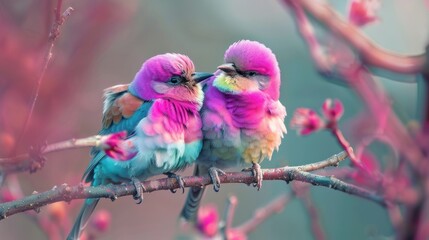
(362, 12)
(332, 111)
(306, 121)
(116, 147)
(101, 220)
(208, 220)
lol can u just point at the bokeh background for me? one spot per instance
(104, 43)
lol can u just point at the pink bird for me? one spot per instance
(160, 112)
(243, 119)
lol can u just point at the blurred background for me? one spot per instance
(104, 42)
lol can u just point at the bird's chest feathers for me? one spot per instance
(260, 130)
(167, 135)
(177, 117)
(247, 111)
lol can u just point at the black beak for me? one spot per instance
(200, 76)
(228, 68)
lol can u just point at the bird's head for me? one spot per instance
(169, 76)
(249, 67)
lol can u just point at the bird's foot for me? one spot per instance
(138, 197)
(214, 176)
(179, 180)
(257, 173)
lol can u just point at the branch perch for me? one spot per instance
(68, 193)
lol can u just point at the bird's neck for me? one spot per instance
(178, 112)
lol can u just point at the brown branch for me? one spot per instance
(332, 161)
(370, 53)
(31, 161)
(68, 193)
(53, 35)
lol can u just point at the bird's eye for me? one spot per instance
(251, 73)
(175, 80)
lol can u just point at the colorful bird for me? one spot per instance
(160, 111)
(243, 119)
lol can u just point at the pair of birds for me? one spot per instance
(173, 121)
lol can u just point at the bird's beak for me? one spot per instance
(200, 76)
(228, 68)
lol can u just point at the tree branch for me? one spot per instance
(261, 214)
(370, 53)
(68, 193)
(33, 160)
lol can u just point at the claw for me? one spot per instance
(214, 176)
(179, 180)
(138, 197)
(257, 173)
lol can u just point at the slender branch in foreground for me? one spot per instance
(370, 53)
(53, 35)
(303, 194)
(228, 217)
(263, 213)
(68, 193)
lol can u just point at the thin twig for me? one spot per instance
(53, 35)
(262, 214)
(332, 161)
(25, 162)
(303, 194)
(228, 216)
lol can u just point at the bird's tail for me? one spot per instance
(82, 218)
(192, 204)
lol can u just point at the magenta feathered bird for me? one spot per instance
(243, 119)
(160, 112)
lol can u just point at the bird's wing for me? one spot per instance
(276, 109)
(122, 112)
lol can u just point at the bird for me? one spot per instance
(159, 110)
(243, 119)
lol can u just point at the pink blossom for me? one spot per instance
(208, 220)
(101, 220)
(116, 147)
(306, 121)
(332, 111)
(362, 12)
